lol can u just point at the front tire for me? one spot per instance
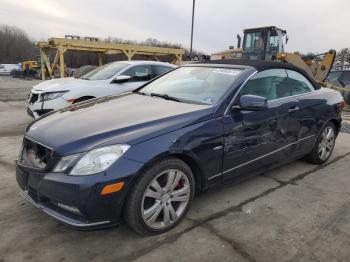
(161, 197)
(324, 145)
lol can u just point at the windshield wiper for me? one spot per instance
(165, 96)
(139, 92)
(84, 78)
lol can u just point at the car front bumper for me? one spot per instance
(77, 200)
(40, 108)
(58, 214)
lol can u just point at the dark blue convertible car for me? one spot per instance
(144, 155)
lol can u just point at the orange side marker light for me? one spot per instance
(112, 188)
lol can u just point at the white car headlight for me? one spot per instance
(98, 159)
(51, 96)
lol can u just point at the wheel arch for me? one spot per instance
(186, 156)
(336, 123)
(84, 98)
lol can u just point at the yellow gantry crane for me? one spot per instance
(91, 44)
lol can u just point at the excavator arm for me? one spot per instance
(318, 68)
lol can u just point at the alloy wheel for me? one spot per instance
(165, 199)
(326, 144)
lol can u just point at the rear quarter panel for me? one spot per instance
(319, 107)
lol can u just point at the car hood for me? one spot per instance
(68, 83)
(129, 118)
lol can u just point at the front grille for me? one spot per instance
(34, 154)
(33, 98)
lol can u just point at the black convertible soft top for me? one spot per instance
(259, 66)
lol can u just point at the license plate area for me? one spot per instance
(22, 178)
(34, 181)
(30, 182)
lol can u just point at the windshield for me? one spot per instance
(202, 85)
(104, 72)
(254, 41)
(275, 42)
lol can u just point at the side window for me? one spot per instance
(298, 83)
(2, 67)
(139, 73)
(269, 83)
(159, 70)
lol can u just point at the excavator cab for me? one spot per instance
(263, 43)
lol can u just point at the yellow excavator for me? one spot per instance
(267, 44)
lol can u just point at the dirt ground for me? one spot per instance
(15, 89)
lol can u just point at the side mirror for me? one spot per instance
(121, 79)
(251, 103)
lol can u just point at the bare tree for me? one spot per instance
(15, 46)
(343, 56)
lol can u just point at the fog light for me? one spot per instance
(69, 208)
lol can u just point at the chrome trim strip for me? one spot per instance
(307, 137)
(240, 88)
(260, 157)
(58, 216)
(214, 176)
(298, 95)
(275, 151)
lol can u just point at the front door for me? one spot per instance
(255, 139)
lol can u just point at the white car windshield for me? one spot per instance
(201, 85)
(104, 72)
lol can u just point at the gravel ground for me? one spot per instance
(15, 89)
(345, 127)
(297, 212)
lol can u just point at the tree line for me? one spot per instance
(342, 60)
(16, 46)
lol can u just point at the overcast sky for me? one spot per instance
(312, 25)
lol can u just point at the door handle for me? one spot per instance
(293, 109)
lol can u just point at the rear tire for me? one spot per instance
(324, 145)
(160, 198)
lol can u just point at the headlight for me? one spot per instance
(98, 160)
(53, 95)
(64, 163)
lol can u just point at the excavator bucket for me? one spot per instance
(318, 68)
(322, 68)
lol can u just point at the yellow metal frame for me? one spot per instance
(61, 45)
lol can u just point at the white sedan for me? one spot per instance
(110, 79)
